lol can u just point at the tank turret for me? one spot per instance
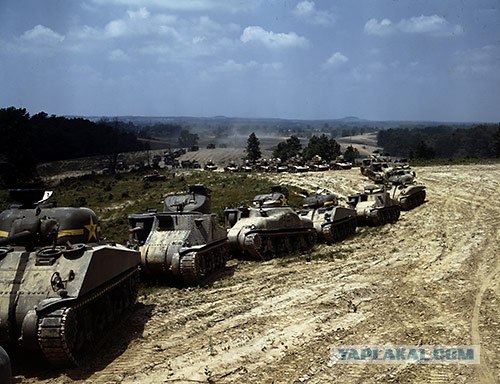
(69, 286)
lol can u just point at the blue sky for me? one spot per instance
(375, 59)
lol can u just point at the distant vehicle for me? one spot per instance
(210, 166)
(155, 176)
(232, 167)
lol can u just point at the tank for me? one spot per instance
(365, 164)
(376, 171)
(184, 243)
(61, 287)
(332, 222)
(317, 164)
(5, 368)
(268, 229)
(232, 167)
(210, 166)
(374, 206)
(409, 196)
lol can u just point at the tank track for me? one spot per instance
(67, 334)
(386, 215)
(198, 265)
(336, 232)
(412, 201)
(268, 245)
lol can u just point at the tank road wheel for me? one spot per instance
(328, 234)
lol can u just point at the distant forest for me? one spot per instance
(27, 141)
(442, 142)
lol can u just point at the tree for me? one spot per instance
(188, 139)
(351, 154)
(253, 148)
(323, 146)
(496, 142)
(17, 147)
(287, 149)
(423, 151)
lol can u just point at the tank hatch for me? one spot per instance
(196, 200)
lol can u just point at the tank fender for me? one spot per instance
(29, 339)
(175, 263)
(50, 304)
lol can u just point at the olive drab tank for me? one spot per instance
(333, 222)
(184, 243)
(5, 368)
(269, 229)
(374, 206)
(405, 189)
(61, 288)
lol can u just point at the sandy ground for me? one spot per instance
(432, 278)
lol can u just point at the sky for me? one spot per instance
(374, 59)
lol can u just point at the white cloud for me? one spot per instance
(483, 62)
(232, 66)
(271, 39)
(306, 10)
(42, 35)
(183, 5)
(118, 55)
(141, 14)
(168, 37)
(335, 60)
(433, 25)
(374, 27)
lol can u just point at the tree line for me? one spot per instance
(442, 141)
(28, 140)
(324, 146)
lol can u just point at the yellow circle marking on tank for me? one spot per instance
(92, 228)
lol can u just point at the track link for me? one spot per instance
(67, 334)
(269, 245)
(336, 232)
(197, 266)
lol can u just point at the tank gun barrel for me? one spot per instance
(24, 235)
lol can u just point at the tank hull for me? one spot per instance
(375, 207)
(39, 289)
(267, 233)
(333, 224)
(409, 196)
(184, 244)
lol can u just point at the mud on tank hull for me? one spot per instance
(270, 232)
(61, 301)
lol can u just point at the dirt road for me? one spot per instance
(431, 278)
